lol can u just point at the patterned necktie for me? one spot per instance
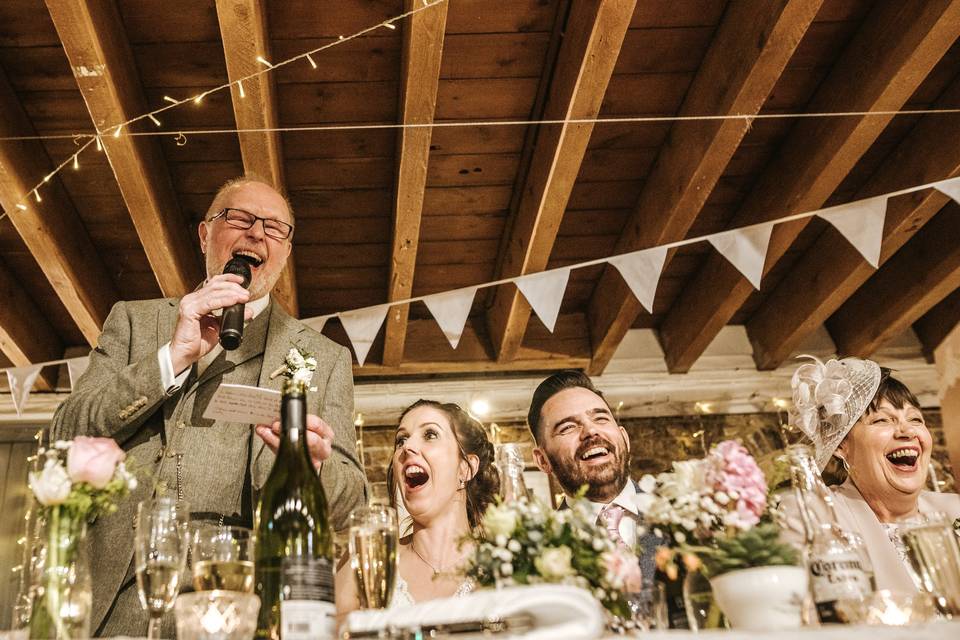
(610, 517)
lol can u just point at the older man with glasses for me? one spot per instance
(155, 369)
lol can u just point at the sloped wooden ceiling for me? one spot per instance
(384, 214)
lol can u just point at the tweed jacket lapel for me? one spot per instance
(282, 334)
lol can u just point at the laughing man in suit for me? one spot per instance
(156, 367)
(579, 443)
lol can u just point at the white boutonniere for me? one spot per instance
(298, 366)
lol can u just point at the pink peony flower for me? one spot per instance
(93, 460)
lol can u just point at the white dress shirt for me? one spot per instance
(631, 517)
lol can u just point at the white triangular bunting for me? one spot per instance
(362, 327)
(75, 369)
(950, 188)
(861, 223)
(544, 291)
(746, 249)
(641, 270)
(21, 382)
(317, 324)
(450, 310)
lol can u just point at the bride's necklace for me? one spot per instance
(436, 572)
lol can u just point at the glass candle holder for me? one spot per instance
(217, 615)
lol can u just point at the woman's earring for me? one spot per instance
(463, 484)
(844, 464)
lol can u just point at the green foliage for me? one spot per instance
(757, 547)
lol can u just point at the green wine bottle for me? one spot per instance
(294, 543)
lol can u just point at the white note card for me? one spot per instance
(240, 403)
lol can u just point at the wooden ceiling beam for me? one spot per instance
(422, 51)
(591, 45)
(911, 283)
(51, 229)
(243, 28)
(888, 58)
(96, 45)
(428, 351)
(831, 270)
(937, 323)
(588, 54)
(26, 336)
(752, 46)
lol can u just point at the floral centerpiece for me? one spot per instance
(526, 542)
(79, 481)
(717, 513)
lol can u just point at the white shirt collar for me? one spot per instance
(625, 499)
(259, 305)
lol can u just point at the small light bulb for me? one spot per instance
(76, 162)
(480, 407)
(21, 206)
(154, 118)
(262, 61)
(310, 60)
(389, 25)
(198, 99)
(243, 94)
(116, 133)
(36, 194)
(99, 144)
(171, 100)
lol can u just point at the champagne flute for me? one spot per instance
(934, 554)
(160, 555)
(374, 541)
(222, 558)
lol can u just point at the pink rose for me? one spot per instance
(622, 570)
(93, 460)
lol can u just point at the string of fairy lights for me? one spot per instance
(116, 130)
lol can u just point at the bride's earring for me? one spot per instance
(463, 484)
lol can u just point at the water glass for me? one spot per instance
(374, 559)
(222, 558)
(934, 553)
(649, 607)
(160, 555)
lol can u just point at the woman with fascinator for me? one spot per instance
(443, 469)
(868, 431)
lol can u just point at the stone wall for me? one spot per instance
(656, 442)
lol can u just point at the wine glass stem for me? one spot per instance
(153, 631)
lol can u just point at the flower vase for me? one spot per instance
(762, 598)
(62, 599)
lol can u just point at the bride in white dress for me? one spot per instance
(443, 466)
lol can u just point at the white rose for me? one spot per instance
(554, 563)
(294, 359)
(303, 375)
(52, 485)
(648, 483)
(499, 521)
(514, 546)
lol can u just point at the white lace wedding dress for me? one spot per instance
(403, 598)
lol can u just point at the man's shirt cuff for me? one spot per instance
(170, 381)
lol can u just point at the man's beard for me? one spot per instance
(600, 480)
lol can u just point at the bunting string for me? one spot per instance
(860, 221)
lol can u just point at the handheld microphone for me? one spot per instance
(231, 321)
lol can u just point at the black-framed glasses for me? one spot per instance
(276, 229)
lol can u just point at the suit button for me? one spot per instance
(181, 424)
(171, 454)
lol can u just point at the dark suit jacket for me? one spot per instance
(172, 448)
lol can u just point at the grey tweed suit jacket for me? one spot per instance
(172, 448)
